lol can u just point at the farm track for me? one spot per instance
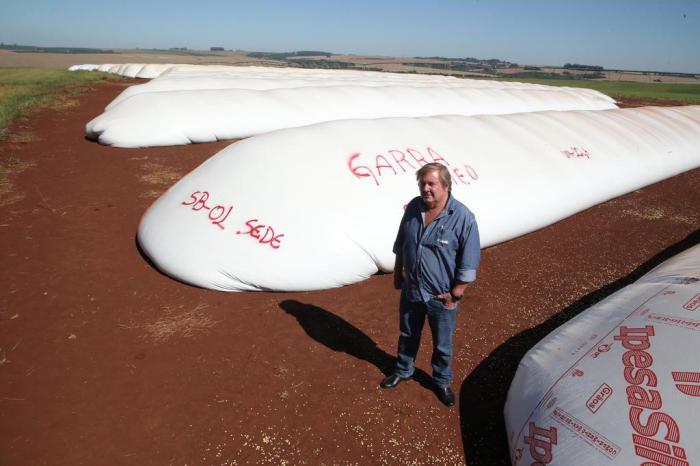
(104, 360)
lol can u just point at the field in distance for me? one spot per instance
(27, 56)
(653, 88)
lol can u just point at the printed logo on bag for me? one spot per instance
(687, 382)
(541, 443)
(585, 432)
(645, 403)
(604, 348)
(693, 304)
(599, 397)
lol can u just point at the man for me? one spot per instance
(437, 253)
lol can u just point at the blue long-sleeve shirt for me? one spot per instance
(434, 257)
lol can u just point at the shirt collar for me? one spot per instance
(447, 210)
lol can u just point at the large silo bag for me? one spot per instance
(318, 207)
(620, 383)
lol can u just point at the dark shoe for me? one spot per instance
(392, 381)
(445, 395)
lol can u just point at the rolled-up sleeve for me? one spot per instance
(469, 253)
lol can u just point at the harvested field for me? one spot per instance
(64, 60)
(104, 360)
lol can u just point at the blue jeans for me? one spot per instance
(442, 323)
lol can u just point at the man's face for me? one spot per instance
(431, 190)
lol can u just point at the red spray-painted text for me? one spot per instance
(397, 162)
(218, 214)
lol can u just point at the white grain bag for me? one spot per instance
(620, 383)
(197, 77)
(318, 207)
(183, 117)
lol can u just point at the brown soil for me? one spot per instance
(627, 102)
(104, 360)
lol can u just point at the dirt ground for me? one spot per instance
(105, 361)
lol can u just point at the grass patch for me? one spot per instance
(22, 137)
(23, 90)
(686, 93)
(159, 174)
(9, 165)
(176, 323)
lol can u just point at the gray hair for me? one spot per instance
(443, 174)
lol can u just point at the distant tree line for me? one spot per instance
(678, 75)
(299, 59)
(494, 62)
(286, 55)
(576, 66)
(325, 64)
(33, 49)
(548, 75)
(455, 66)
(470, 59)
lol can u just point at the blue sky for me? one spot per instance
(659, 35)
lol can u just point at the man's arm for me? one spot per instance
(468, 258)
(398, 271)
(398, 250)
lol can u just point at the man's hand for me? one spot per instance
(446, 299)
(450, 298)
(398, 272)
(398, 279)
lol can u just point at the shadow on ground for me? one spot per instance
(340, 335)
(483, 393)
